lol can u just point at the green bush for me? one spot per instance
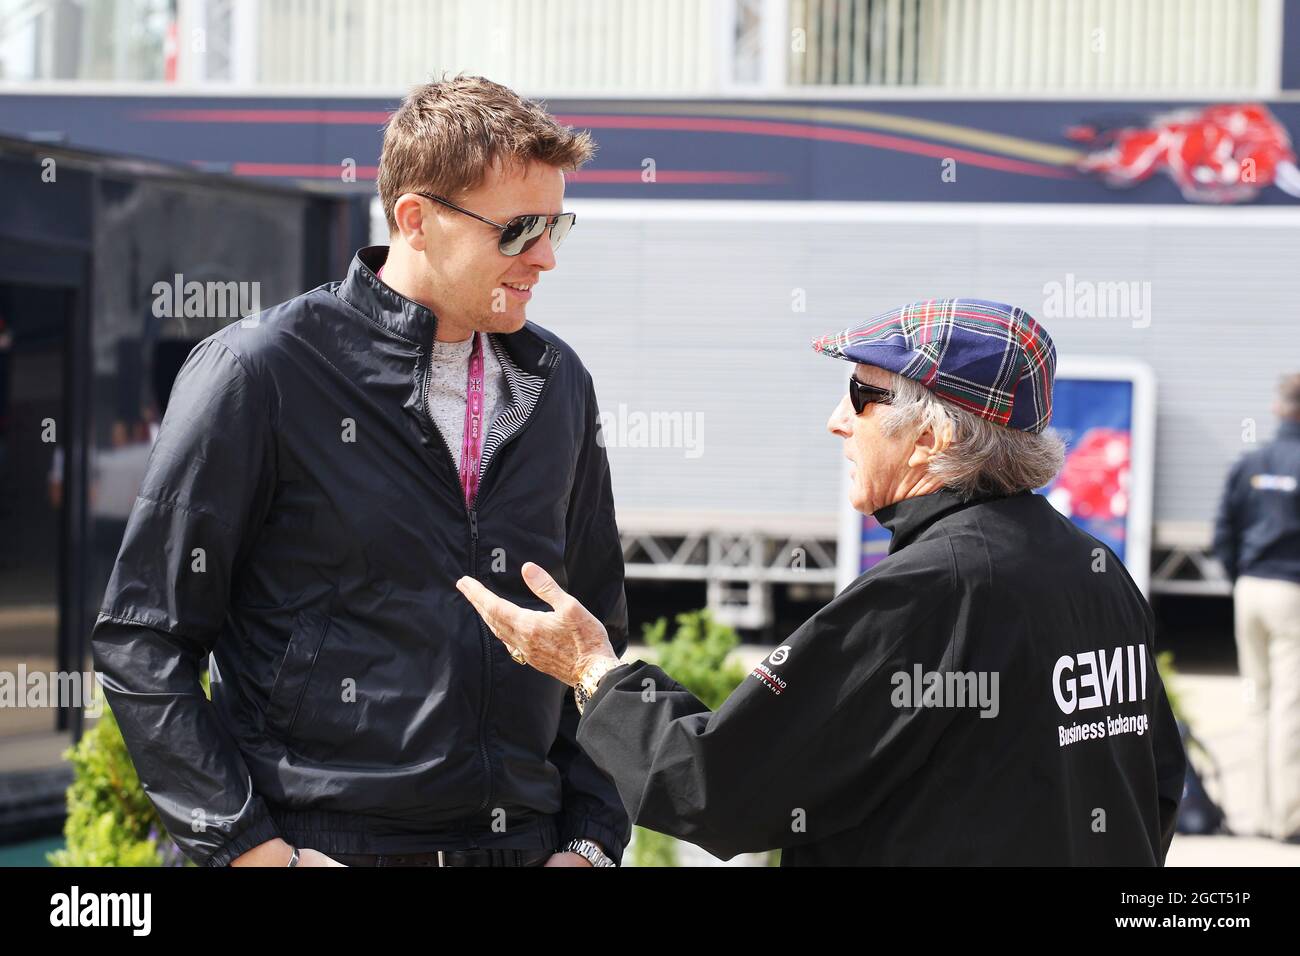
(696, 657)
(111, 821)
(1165, 667)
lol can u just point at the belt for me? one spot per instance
(476, 857)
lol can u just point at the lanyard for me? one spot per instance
(471, 449)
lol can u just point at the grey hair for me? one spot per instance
(982, 457)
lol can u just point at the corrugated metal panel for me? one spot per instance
(1030, 45)
(552, 45)
(696, 316)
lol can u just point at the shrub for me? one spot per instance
(696, 657)
(111, 822)
(1165, 667)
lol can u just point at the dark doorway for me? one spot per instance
(36, 433)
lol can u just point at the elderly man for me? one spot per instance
(986, 694)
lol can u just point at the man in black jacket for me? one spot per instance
(986, 694)
(325, 472)
(1257, 539)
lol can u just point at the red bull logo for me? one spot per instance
(1094, 484)
(1216, 154)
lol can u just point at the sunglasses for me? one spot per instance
(861, 394)
(522, 232)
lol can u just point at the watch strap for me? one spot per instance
(590, 851)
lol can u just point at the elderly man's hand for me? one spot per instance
(563, 642)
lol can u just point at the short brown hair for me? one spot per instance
(446, 135)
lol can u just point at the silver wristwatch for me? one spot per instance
(589, 851)
(293, 860)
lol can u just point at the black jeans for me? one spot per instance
(478, 857)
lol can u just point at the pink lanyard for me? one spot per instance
(471, 449)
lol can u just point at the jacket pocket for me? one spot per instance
(309, 630)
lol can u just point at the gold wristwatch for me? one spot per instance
(585, 689)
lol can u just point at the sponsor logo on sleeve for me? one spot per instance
(768, 677)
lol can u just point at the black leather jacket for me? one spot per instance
(300, 531)
(985, 695)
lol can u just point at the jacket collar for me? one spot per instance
(366, 292)
(906, 519)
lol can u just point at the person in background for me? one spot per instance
(1257, 540)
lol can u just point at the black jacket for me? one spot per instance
(303, 524)
(836, 748)
(1257, 530)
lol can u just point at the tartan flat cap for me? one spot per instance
(991, 359)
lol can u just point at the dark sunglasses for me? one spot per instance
(522, 232)
(861, 394)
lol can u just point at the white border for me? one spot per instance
(796, 210)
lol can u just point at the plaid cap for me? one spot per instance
(993, 360)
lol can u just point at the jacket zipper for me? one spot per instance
(472, 515)
(471, 512)
(484, 636)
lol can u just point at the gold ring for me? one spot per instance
(517, 655)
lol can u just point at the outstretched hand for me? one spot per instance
(562, 642)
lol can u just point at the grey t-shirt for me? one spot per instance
(448, 374)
